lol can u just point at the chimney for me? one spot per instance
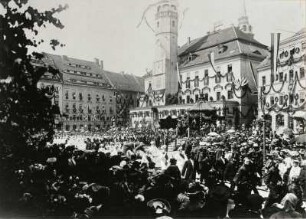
(97, 61)
(101, 64)
(189, 40)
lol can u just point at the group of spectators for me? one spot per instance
(124, 172)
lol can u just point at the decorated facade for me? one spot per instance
(218, 68)
(85, 98)
(282, 84)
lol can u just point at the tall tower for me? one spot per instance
(243, 22)
(165, 77)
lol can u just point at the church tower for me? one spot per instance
(243, 22)
(165, 76)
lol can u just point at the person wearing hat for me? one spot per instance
(173, 171)
(245, 180)
(287, 208)
(292, 172)
(188, 171)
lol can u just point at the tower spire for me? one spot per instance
(244, 9)
(243, 21)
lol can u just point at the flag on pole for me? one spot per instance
(253, 74)
(275, 37)
(211, 57)
(178, 77)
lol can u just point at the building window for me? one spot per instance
(74, 108)
(89, 97)
(229, 68)
(157, 24)
(218, 96)
(188, 99)
(98, 98)
(196, 81)
(173, 23)
(80, 96)
(218, 78)
(67, 108)
(67, 95)
(196, 97)
(291, 75)
(281, 76)
(110, 99)
(280, 121)
(97, 109)
(272, 100)
(73, 96)
(206, 78)
(263, 80)
(89, 110)
(67, 127)
(229, 94)
(80, 108)
(188, 82)
(206, 96)
(302, 72)
(111, 110)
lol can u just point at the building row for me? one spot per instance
(89, 97)
(228, 70)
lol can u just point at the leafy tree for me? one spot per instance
(26, 112)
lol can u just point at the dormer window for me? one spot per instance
(257, 52)
(191, 57)
(222, 48)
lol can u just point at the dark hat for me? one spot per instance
(220, 192)
(173, 161)
(255, 201)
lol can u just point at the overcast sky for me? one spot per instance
(107, 29)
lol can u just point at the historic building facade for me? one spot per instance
(219, 68)
(89, 98)
(282, 94)
(85, 98)
(163, 80)
(128, 88)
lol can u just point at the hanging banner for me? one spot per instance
(211, 57)
(275, 37)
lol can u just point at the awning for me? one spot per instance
(300, 114)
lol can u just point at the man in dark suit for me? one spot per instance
(188, 172)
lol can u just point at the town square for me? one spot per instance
(153, 109)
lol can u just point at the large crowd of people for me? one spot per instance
(124, 172)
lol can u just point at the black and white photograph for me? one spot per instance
(159, 109)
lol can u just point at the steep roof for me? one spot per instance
(233, 38)
(125, 82)
(78, 71)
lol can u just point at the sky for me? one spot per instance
(107, 29)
